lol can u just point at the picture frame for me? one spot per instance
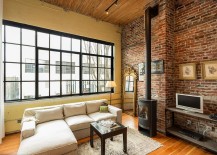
(141, 71)
(157, 67)
(187, 71)
(209, 70)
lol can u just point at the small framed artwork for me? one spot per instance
(141, 71)
(157, 67)
(187, 71)
(209, 70)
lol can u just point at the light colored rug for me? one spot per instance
(137, 144)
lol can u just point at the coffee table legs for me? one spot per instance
(91, 136)
(102, 146)
(125, 141)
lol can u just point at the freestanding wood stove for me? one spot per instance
(147, 108)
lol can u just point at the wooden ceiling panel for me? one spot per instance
(125, 12)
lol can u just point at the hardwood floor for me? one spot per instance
(171, 145)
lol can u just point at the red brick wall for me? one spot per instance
(181, 33)
(133, 53)
(196, 41)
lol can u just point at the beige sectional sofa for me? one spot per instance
(56, 129)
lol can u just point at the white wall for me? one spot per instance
(1, 77)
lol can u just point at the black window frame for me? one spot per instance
(37, 68)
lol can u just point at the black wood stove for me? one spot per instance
(147, 108)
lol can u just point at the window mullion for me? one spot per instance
(36, 66)
(80, 79)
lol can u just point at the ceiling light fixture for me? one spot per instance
(114, 3)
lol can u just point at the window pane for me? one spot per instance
(93, 61)
(12, 72)
(107, 62)
(3, 51)
(3, 32)
(54, 58)
(28, 90)
(76, 45)
(28, 37)
(108, 74)
(85, 86)
(43, 72)
(66, 43)
(43, 89)
(12, 34)
(101, 62)
(43, 56)
(75, 87)
(101, 49)
(85, 46)
(75, 73)
(85, 73)
(28, 72)
(101, 86)
(85, 60)
(43, 39)
(54, 72)
(66, 72)
(93, 86)
(66, 87)
(54, 41)
(108, 50)
(28, 54)
(93, 73)
(75, 60)
(12, 90)
(12, 53)
(66, 59)
(101, 74)
(93, 48)
(54, 88)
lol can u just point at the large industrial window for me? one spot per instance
(41, 63)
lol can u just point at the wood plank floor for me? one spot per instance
(171, 145)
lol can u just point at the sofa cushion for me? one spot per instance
(97, 116)
(54, 137)
(78, 122)
(46, 115)
(93, 106)
(74, 109)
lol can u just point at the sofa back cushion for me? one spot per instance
(94, 106)
(74, 109)
(45, 115)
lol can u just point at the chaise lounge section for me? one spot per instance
(56, 129)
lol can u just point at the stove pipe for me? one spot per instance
(150, 12)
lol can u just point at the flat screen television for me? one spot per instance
(189, 102)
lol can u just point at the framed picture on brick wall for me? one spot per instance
(209, 70)
(187, 71)
(141, 71)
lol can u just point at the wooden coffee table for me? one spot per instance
(105, 133)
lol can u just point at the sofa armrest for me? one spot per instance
(117, 112)
(28, 129)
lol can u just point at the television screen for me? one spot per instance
(189, 101)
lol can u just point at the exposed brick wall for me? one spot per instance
(196, 41)
(181, 33)
(133, 53)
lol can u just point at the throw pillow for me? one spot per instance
(46, 115)
(103, 109)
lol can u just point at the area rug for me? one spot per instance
(137, 144)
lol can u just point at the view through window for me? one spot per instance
(41, 63)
